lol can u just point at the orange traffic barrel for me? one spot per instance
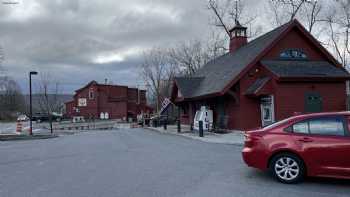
(19, 127)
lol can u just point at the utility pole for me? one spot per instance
(236, 12)
(30, 102)
(48, 107)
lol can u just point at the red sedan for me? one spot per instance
(304, 145)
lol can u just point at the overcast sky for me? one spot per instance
(77, 41)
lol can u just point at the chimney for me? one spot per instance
(238, 37)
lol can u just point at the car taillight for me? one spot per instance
(250, 140)
(246, 137)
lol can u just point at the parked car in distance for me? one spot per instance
(305, 145)
(44, 117)
(78, 119)
(143, 119)
(22, 118)
(159, 120)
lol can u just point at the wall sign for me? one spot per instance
(82, 102)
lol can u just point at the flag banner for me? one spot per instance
(165, 104)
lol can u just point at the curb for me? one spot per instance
(25, 137)
(193, 137)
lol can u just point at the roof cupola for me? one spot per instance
(238, 37)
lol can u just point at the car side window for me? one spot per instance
(301, 127)
(348, 125)
(327, 126)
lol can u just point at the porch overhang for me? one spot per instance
(313, 79)
(303, 71)
(202, 97)
(258, 87)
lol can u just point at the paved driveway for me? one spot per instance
(143, 163)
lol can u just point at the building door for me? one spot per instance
(313, 102)
(220, 118)
(267, 110)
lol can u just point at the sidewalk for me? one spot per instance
(235, 137)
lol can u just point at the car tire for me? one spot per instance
(287, 168)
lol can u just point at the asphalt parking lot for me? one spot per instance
(137, 162)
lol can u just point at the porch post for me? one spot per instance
(178, 119)
(190, 109)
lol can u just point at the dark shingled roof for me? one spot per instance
(257, 85)
(283, 68)
(219, 72)
(188, 85)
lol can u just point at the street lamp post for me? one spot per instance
(30, 101)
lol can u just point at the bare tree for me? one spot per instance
(158, 71)
(312, 13)
(335, 38)
(228, 12)
(11, 98)
(215, 44)
(307, 11)
(286, 10)
(190, 56)
(49, 91)
(219, 16)
(338, 22)
(2, 58)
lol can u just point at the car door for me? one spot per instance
(325, 145)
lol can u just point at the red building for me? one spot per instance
(109, 101)
(280, 73)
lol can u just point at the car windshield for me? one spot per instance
(276, 124)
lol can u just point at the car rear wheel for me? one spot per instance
(287, 168)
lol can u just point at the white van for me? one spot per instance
(205, 115)
(78, 119)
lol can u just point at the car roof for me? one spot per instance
(305, 116)
(321, 114)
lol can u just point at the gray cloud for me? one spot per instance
(78, 41)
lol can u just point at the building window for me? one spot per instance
(297, 54)
(91, 94)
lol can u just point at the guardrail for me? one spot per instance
(97, 125)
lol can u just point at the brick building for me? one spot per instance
(107, 101)
(272, 77)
